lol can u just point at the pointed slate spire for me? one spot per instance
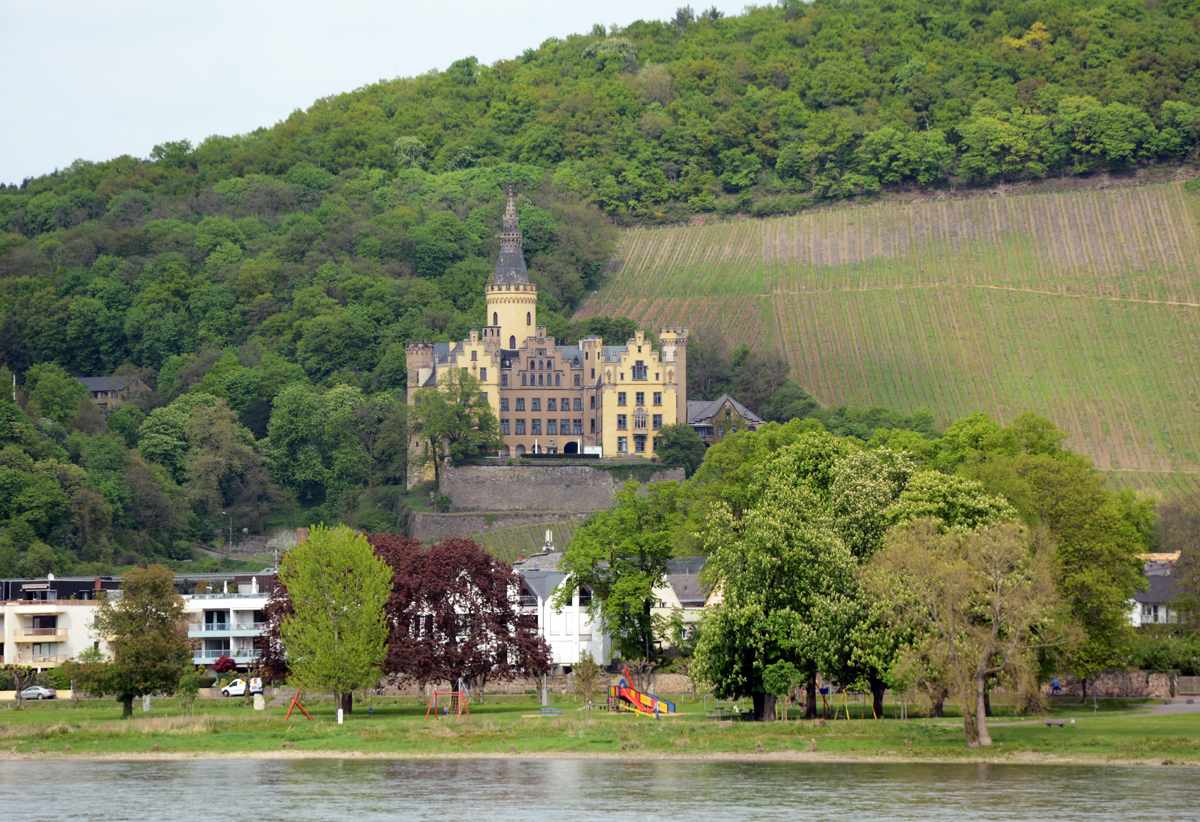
(510, 266)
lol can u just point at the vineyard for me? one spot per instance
(1082, 306)
(508, 544)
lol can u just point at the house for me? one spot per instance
(682, 592)
(109, 392)
(226, 614)
(1153, 606)
(714, 419)
(45, 622)
(568, 632)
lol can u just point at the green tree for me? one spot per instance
(621, 555)
(336, 636)
(53, 392)
(147, 636)
(680, 446)
(455, 419)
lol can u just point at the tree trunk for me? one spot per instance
(764, 707)
(126, 707)
(938, 704)
(347, 702)
(987, 702)
(1083, 684)
(983, 739)
(810, 696)
(878, 689)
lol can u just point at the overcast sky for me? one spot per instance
(96, 80)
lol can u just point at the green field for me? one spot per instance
(1081, 306)
(508, 725)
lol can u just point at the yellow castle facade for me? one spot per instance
(552, 398)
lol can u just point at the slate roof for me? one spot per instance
(112, 383)
(1162, 590)
(542, 583)
(688, 589)
(700, 410)
(510, 265)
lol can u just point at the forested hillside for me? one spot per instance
(264, 285)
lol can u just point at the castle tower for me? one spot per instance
(511, 298)
(674, 348)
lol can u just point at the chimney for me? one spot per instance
(301, 536)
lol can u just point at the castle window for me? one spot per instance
(541, 381)
(504, 427)
(549, 365)
(537, 404)
(656, 376)
(536, 429)
(640, 371)
(495, 318)
(512, 341)
(566, 403)
(520, 427)
(551, 404)
(658, 398)
(622, 445)
(639, 421)
(504, 380)
(558, 379)
(485, 396)
(576, 380)
(587, 355)
(551, 426)
(579, 403)
(540, 363)
(657, 422)
(483, 373)
(520, 403)
(622, 376)
(504, 403)
(622, 424)
(528, 318)
(474, 356)
(639, 443)
(639, 349)
(577, 427)
(657, 442)
(621, 398)
(639, 398)
(523, 378)
(566, 427)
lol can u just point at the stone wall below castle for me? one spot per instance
(426, 527)
(530, 488)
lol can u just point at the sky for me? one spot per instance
(95, 80)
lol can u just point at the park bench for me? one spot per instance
(552, 711)
(1062, 723)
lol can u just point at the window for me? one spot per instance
(657, 422)
(535, 427)
(593, 426)
(639, 421)
(577, 426)
(656, 376)
(734, 429)
(566, 403)
(639, 370)
(622, 422)
(504, 380)
(528, 318)
(483, 373)
(541, 379)
(622, 445)
(658, 398)
(512, 341)
(551, 404)
(622, 376)
(474, 356)
(520, 403)
(566, 428)
(485, 396)
(621, 398)
(657, 442)
(504, 427)
(579, 403)
(720, 431)
(539, 365)
(523, 380)
(495, 318)
(504, 403)
(520, 427)
(537, 404)
(639, 398)
(592, 402)
(576, 380)
(549, 365)
(639, 443)
(551, 426)
(558, 379)
(593, 373)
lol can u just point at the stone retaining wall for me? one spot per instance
(560, 488)
(425, 526)
(1118, 684)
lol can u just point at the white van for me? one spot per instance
(238, 687)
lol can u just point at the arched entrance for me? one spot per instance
(520, 452)
(571, 447)
(504, 452)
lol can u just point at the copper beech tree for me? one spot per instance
(452, 615)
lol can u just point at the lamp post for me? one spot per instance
(229, 545)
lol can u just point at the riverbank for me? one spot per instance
(1123, 734)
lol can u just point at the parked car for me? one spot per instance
(238, 688)
(38, 692)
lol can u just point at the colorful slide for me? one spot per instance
(640, 701)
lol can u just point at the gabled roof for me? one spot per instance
(1161, 591)
(700, 410)
(687, 589)
(112, 383)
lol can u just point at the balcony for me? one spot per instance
(213, 629)
(38, 660)
(39, 634)
(238, 595)
(236, 654)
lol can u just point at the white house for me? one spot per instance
(226, 614)
(568, 632)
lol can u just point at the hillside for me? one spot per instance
(1082, 306)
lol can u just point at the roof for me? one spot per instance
(688, 589)
(686, 565)
(1161, 590)
(700, 410)
(510, 265)
(542, 583)
(111, 383)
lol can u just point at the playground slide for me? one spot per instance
(640, 701)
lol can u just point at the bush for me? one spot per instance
(443, 503)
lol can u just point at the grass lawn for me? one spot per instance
(508, 725)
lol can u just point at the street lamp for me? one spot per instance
(229, 545)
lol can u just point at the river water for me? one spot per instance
(585, 790)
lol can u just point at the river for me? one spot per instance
(583, 790)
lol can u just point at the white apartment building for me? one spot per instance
(568, 632)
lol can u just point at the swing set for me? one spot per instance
(456, 704)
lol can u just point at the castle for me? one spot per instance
(590, 398)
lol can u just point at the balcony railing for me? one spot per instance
(37, 659)
(239, 594)
(233, 653)
(42, 631)
(227, 626)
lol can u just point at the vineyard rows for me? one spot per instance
(1084, 307)
(507, 544)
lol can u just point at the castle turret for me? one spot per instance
(511, 298)
(674, 348)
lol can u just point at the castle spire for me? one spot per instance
(510, 265)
